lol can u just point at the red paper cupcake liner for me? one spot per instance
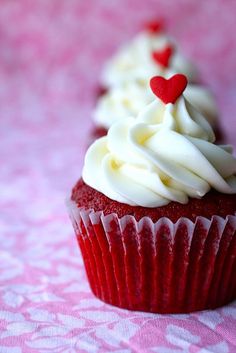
(162, 267)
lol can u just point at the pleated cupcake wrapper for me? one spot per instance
(160, 267)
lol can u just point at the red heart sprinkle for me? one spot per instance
(163, 56)
(154, 26)
(168, 90)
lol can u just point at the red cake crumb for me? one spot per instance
(97, 132)
(213, 203)
(101, 90)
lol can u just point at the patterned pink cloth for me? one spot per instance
(51, 54)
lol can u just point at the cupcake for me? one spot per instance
(152, 52)
(127, 74)
(154, 211)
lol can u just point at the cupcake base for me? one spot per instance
(159, 267)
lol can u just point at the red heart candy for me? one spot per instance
(168, 90)
(163, 56)
(154, 26)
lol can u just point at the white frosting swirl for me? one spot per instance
(134, 61)
(129, 99)
(121, 102)
(202, 99)
(165, 154)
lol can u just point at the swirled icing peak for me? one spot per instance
(167, 153)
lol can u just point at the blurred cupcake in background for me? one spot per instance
(131, 93)
(152, 52)
(154, 211)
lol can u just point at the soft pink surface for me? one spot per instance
(51, 54)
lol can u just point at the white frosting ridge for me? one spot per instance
(121, 102)
(165, 154)
(202, 99)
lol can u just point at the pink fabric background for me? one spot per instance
(51, 53)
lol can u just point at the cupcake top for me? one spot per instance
(167, 153)
(150, 53)
(129, 99)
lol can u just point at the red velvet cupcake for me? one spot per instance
(154, 214)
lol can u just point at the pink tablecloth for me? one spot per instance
(51, 53)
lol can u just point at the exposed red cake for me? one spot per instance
(213, 203)
(97, 132)
(101, 90)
